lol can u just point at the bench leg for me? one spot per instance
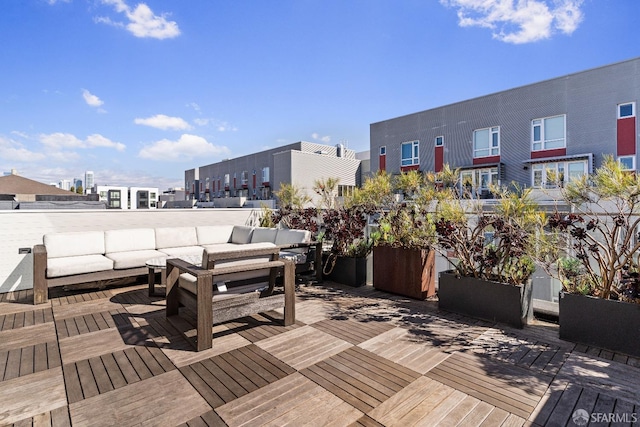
(289, 293)
(40, 287)
(204, 313)
(172, 291)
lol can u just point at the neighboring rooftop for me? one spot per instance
(17, 185)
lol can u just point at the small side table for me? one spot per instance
(153, 265)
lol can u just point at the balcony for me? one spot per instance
(355, 355)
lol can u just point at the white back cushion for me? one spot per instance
(264, 234)
(241, 234)
(173, 237)
(74, 244)
(136, 239)
(285, 236)
(214, 234)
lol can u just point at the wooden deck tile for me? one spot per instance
(352, 331)
(24, 397)
(19, 362)
(166, 399)
(83, 308)
(90, 345)
(360, 378)
(92, 322)
(27, 336)
(621, 380)
(404, 348)
(522, 350)
(208, 419)
(228, 376)
(24, 318)
(293, 400)
(56, 417)
(514, 389)
(260, 326)
(101, 374)
(303, 346)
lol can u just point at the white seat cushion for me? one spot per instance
(287, 237)
(214, 234)
(264, 234)
(136, 239)
(133, 259)
(66, 266)
(231, 247)
(183, 251)
(74, 244)
(175, 237)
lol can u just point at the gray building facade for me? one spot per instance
(538, 135)
(257, 176)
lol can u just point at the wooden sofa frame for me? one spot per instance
(41, 283)
(209, 307)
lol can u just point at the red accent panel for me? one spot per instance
(626, 136)
(254, 180)
(439, 158)
(234, 182)
(548, 153)
(484, 160)
(409, 168)
(266, 184)
(382, 162)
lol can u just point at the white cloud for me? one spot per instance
(316, 136)
(91, 99)
(160, 121)
(52, 2)
(187, 147)
(16, 152)
(194, 106)
(59, 140)
(142, 22)
(201, 122)
(223, 126)
(522, 21)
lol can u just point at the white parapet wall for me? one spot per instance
(23, 229)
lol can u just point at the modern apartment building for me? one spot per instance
(127, 197)
(256, 176)
(538, 135)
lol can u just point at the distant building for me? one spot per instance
(77, 183)
(65, 184)
(117, 197)
(17, 192)
(257, 176)
(88, 181)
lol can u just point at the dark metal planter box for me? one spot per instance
(493, 301)
(408, 272)
(612, 325)
(351, 271)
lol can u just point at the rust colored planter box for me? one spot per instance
(408, 272)
(608, 324)
(483, 299)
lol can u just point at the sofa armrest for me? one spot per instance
(317, 261)
(40, 288)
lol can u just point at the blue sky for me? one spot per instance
(139, 92)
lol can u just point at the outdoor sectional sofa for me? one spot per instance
(94, 256)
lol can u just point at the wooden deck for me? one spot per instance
(355, 357)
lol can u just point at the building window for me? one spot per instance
(206, 185)
(265, 174)
(486, 142)
(439, 141)
(345, 190)
(627, 110)
(477, 182)
(548, 133)
(114, 199)
(555, 174)
(226, 180)
(244, 177)
(410, 153)
(627, 162)
(383, 150)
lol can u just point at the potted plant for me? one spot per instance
(347, 261)
(489, 254)
(593, 251)
(403, 256)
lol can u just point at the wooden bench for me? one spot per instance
(216, 307)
